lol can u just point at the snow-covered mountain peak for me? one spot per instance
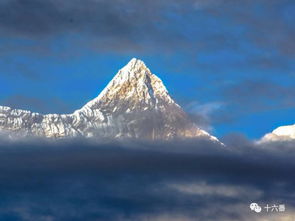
(135, 104)
(136, 85)
(135, 63)
(135, 70)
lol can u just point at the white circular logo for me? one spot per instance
(255, 207)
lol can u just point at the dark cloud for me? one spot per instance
(124, 25)
(260, 95)
(81, 180)
(267, 25)
(119, 24)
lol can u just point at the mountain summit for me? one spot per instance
(135, 86)
(135, 104)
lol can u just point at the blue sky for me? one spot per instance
(230, 62)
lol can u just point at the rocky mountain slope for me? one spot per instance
(135, 104)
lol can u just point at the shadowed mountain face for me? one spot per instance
(135, 104)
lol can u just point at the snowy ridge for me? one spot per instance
(283, 133)
(135, 104)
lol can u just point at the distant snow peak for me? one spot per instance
(283, 133)
(135, 104)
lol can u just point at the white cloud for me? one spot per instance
(204, 112)
(204, 189)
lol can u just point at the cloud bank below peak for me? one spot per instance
(82, 180)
